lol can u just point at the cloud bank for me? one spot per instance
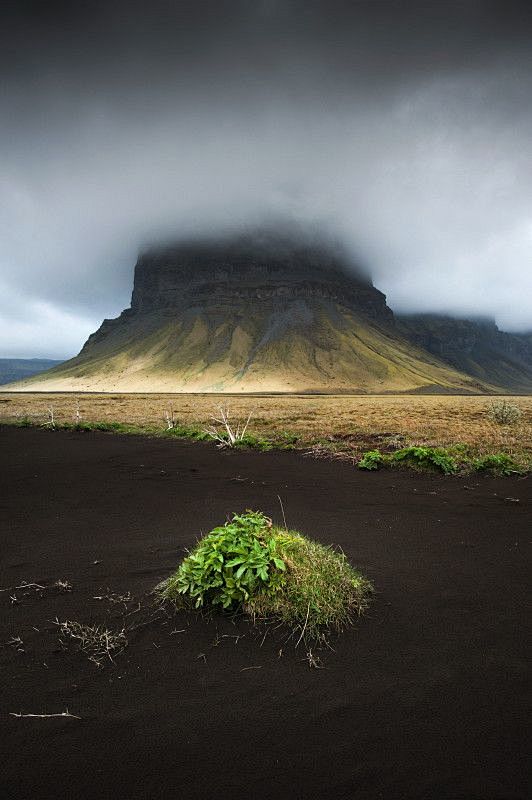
(403, 128)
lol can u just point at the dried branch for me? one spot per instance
(231, 435)
(45, 716)
(170, 420)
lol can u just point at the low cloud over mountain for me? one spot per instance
(404, 129)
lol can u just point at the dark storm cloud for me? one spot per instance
(402, 127)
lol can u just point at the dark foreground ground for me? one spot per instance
(424, 698)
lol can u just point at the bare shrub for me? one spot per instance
(50, 422)
(169, 417)
(504, 413)
(229, 436)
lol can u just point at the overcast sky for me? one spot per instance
(403, 127)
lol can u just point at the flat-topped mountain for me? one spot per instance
(246, 270)
(257, 314)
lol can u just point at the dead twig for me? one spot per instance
(27, 585)
(304, 626)
(65, 713)
(314, 662)
(51, 418)
(282, 509)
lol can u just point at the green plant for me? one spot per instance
(255, 442)
(498, 463)
(230, 564)
(270, 573)
(286, 440)
(372, 459)
(427, 457)
(24, 422)
(503, 412)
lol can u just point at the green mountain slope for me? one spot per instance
(297, 348)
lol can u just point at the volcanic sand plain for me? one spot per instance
(423, 697)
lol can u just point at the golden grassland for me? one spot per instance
(341, 423)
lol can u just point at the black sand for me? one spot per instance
(424, 698)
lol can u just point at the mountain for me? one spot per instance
(15, 369)
(476, 347)
(265, 314)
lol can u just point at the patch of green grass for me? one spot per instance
(270, 573)
(23, 422)
(255, 442)
(287, 440)
(87, 427)
(371, 460)
(186, 432)
(497, 464)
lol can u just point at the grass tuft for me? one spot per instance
(270, 573)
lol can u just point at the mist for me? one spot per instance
(401, 129)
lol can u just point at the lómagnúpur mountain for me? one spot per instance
(270, 315)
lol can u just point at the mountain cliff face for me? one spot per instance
(476, 347)
(257, 315)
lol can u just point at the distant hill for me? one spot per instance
(476, 347)
(15, 369)
(274, 315)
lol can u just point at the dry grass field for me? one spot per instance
(343, 423)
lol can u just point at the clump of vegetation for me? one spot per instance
(187, 432)
(448, 461)
(229, 565)
(497, 463)
(23, 422)
(372, 459)
(268, 572)
(504, 413)
(435, 458)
